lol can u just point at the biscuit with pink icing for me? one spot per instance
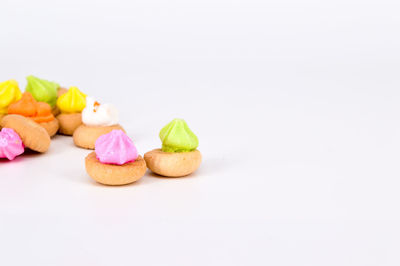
(115, 160)
(10, 144)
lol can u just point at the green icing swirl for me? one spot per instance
(42, 90)
(177, 137)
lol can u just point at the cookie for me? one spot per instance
(170, 164)
(114, 175)
(32, 134)
(86, 136)
(39, 112)
(55, 110)
(51, 127)
(69, 122)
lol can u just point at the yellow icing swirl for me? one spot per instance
(9, 93)
(73, 101)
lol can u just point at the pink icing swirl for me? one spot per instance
(115, 148)
(10, 144)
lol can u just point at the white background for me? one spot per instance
(295, 103)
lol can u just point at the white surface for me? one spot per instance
(296, 105)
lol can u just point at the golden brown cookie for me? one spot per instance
(86, 136)
(69, 122)
(174, 164)
(114, 175)
(32, 134)
(51, 127)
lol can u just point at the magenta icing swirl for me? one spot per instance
(10, 144)
(115, 148)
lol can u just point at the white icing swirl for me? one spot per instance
(96, 114)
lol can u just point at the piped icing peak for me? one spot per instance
(96, 114)
(10, 144)
(42, 90)
(177, 137)
(115, 148)
(73, 101)
(27, 106)
(9, 93)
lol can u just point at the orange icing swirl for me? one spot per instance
(27, 106)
